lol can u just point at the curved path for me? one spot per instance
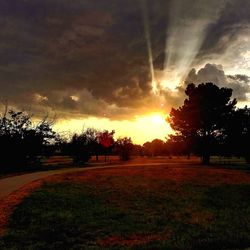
(11, 184)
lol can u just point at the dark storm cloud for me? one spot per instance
(215, 73)
(74, 46)
(233, 21)
(90, 57)
(241, 78)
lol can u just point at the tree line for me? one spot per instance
(208, 123)
(24, 144)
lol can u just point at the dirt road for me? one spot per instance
(11, 184)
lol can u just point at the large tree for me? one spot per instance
(201, 118)
(237, 134)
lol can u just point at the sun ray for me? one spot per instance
(184, 38)
(149, 45)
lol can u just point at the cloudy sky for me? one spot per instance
(120, 64)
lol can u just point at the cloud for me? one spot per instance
(96, 51)
(234, 21)
(215, 74)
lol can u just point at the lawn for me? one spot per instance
(150, 207)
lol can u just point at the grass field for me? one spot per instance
(148, 207)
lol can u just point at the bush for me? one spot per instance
(22, 142)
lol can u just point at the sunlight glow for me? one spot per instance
(75, 98)
(183, 42)
(143, 128)
(158, 119)
(170, 80)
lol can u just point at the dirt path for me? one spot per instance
(11, 184)
(14, 189)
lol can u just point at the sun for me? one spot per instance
(158, 119)
(146, 127)
(150, 126)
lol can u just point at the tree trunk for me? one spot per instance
(247, 158)
(206, 159)
(206, 148)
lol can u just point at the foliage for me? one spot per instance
(124, 148)
(177, 145)
(237, 134)
(137, 150)
(201, 119)
(106, 140)
(90, 142)
(79, 148)
(22, 142)
(94, 147)
(155, 148)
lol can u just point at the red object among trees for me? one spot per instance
(105, 138)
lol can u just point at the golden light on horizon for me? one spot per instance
(141, 129)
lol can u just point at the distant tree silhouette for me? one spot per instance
(156, 147)
(79, 148)
(106, 139)
(22, 143)
(95, 147)
(236, 138)
(82, 146)
(138, 150)
(124, 148)
(177, 145)
(88, 143)
(148, 149)
(202, 117)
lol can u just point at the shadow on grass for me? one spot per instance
(72, 215)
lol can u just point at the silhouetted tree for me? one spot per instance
(22, 143)
(95, 147)
(201, 119)
(138, 150)
(236, 138)
(79, 148)
(177, 145)
(124, 147)
(148, 149)
(156, 147)
(106, 139)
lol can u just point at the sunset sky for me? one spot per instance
(120, 64)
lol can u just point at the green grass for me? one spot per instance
(180, 216)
